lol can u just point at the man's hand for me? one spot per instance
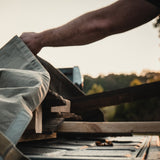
(32, 40)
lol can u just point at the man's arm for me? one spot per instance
(121, 16)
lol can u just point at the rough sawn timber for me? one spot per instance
(110, 127)
(129, 94)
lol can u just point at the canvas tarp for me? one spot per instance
(23, 86)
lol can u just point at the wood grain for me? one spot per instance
(109, 127)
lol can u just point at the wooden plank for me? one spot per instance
(64, 108)
(110, 127)
(154, 149)
(53, 99)
(50, 157)
(50, 125)
(129, 94)
(35, 136)
(36, 122)
(123, 148)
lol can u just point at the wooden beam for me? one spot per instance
(53, 99)
(64, 108)
(36, 122)
(129, 94)
(35, 136)
(109, 127)
(51, 124)
(38, 119)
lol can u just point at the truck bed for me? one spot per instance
(94, 148)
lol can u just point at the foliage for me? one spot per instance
(95, 89)
(135, 82)
(143, 110)
(111, 81)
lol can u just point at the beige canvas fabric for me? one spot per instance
(23, 85)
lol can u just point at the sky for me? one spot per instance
(131, 52)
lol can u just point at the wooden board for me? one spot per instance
(60, 83)
(35, 137)
(109, 127)
(129, 94)
(38, 119)
(64, 108)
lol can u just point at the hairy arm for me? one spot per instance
(121, 16)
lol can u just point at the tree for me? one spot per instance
(135, 82)
(95, 89)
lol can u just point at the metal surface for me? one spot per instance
(73, 74)
(123, 148)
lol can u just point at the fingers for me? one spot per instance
(32, 41)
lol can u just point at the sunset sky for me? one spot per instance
(132, 51)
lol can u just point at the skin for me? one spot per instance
(119, 17)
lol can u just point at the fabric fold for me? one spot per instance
(24, 84)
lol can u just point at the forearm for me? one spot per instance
(119, 17)
(80, 31)
(93, 26)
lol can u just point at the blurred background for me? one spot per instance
(130, 52)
